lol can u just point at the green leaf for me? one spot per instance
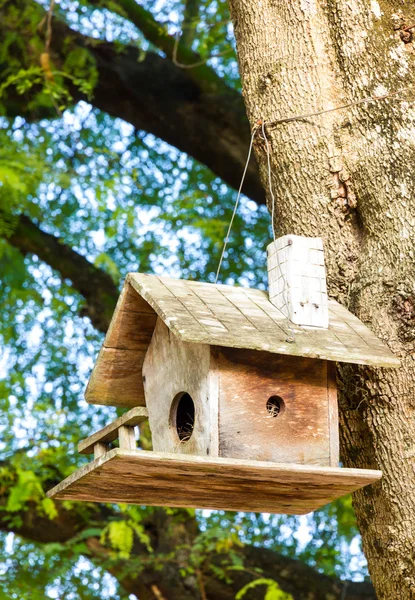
(49, 508)
(28, 488)
(273, 591)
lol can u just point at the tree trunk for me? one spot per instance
(347, 177)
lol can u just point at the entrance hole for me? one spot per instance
(275, 406)
(183, 415)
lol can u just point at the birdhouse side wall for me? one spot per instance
(277, 408)
(172, 370)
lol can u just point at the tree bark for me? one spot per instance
(347, 176)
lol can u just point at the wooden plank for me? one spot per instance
(126, 438)
(253, 314)
(172, 310)
(242, 310)
(299, 288)
(133, 321)
(131, 330)
(107, 434)
(100, 450)
(299, 434)
(333, 414)
(171, 368)
(133, 302)
(195, 304)
(158, 479)
(117, 378)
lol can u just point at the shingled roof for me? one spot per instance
(218, 315)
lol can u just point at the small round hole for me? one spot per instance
(275, 406)
(185, 416)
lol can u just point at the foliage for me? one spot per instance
(120, 533)
(273, 591)
(127, 202)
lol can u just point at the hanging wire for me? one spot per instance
(273, 125)
(366, 100)
(269, 180)
(237, 202)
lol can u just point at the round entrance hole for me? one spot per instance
(275, 406)
(183, 413)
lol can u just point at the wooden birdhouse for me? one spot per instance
(238, 386)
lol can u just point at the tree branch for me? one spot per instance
(204, 76)
(95, 285)
(193, 109)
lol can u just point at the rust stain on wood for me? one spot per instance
(293, 428)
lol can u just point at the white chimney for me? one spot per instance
(297, 279)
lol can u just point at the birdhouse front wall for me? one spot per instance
(237, 403)
(173, 371)
(277, 408)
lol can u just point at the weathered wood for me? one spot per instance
(333, 415)
(132, 324)
(171, 368)
(99, 450)
(299, 434)
(297, 279)
(126, 438)
(108, 434)
(217, 315)
(260, 325)
(116, 378)
(230, 389)
(157, 479)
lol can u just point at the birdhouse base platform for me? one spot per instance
(177, 480)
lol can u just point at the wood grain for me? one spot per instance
(217, 315)
(100, 449)
(116, 378)
(126, 438)
(333, 415)
(172, 367)
(299, 434)
(108, 434)
(261, 326)
(156, 479)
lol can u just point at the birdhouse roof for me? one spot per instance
(218, 315)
